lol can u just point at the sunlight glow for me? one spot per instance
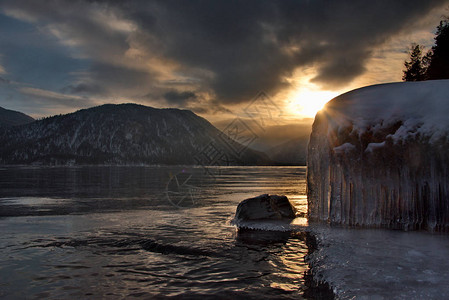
(307, 102)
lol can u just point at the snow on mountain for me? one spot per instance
(13, 118)
(122, 134)
(378, 157)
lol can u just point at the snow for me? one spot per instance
(346, 147)
(423, 105)
(378, 157)
(298, 224)
(381, 264)
(373, 146)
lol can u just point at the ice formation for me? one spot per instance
(378, 157)
(381, 264)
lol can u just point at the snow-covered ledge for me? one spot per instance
(379, 156)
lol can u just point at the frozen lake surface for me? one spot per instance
(382, 264)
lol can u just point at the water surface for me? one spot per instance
(114, 232)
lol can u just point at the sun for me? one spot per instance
(307, 102)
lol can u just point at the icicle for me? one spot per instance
(374, 172)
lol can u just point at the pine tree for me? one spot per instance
(439, 59)
(415, 69)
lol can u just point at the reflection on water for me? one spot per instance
(114, 232)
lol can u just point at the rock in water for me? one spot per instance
(378, 157)
(263, 207)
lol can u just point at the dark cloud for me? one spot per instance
(84, 88)
(252, 45)
(211, 107)
(117, 78)
(4, 80)
(175, 97)
(228, 50)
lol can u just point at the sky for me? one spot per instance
(212, 57)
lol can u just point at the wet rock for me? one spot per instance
(263, 207)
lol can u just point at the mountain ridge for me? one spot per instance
(122, 134)
(291, 152)
(10, 118)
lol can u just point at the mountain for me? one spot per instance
(292, 152)
(10, 118)
(285, 144)
(123, 134)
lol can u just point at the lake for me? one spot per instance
(150, 232)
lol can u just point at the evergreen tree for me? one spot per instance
(415, 69)
(439, 59)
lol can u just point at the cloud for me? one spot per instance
(175, 97)
(48, 94)
(4, 80)
(253, 45)
(225, 51)
(40, 102)
(84, 88)
(2, 69)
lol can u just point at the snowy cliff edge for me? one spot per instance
(378, 157)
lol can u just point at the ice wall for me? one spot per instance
(379, 157)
